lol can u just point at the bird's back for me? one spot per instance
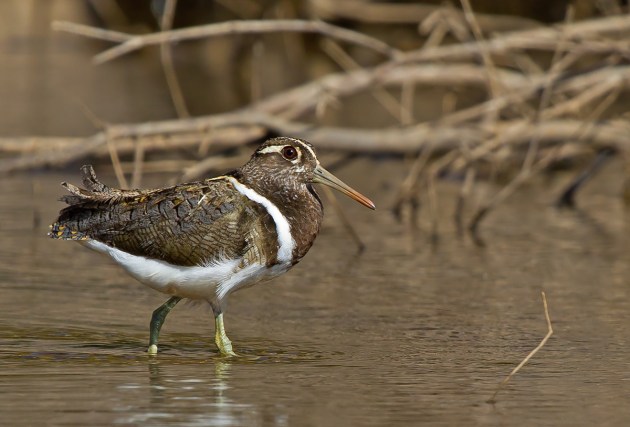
(187, 225)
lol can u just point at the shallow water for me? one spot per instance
(405, 333)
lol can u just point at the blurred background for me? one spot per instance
(48, 74)
(491, 92)
(492, 136)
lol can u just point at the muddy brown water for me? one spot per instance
(404, 334)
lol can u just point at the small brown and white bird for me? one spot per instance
(205, 240)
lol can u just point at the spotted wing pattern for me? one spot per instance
(188, 224)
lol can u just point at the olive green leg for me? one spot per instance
(221, 338)
(157, 319)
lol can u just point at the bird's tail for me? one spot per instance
(67, 227)
(62, 231)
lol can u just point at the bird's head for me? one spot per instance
(293, 161)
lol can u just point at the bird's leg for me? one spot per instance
(157, 319)
(220, 337)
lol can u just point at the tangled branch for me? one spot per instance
(534, 113)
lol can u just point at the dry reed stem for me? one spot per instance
(303, 99)
(91, 32)
(138, 165)
(527, 169)
(531, 353)
(257, 67)
(244, 128)
(545, 38)
(293, 44)
(545, 97)
(584, 29)
(201, 168)
(505, 192)
(345, 221)
(554, 103)
(158, 166)
(519, 89)
(345, 61)
(462, 198)
(166, 57)
(407, 95)
(409, 185)
(583, 99)
(434, 210)
(113, 154)
(436, 35)
(580, 101)
(582, 132)
(135, 42)
(494, 84)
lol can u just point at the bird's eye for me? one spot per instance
(289, 152)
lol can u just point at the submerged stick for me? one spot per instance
(531, 353)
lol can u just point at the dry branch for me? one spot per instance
(392, 140)
(345, 221)
(494, 84)
(166, 56)
(135, 42)
(584, 37)
(533, 115)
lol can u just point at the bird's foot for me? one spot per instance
(221, 339)
(225, 345)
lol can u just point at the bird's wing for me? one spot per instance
(187, 224)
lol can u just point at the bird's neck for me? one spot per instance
(297, 202)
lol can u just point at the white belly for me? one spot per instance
(212, 282)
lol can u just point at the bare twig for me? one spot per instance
(113, 154)
(504, 193)
(239, 129)
(345, 61)
(138, 163)
(223, 29)
(493, 81)
(330, 196)
(533, 113)
(407, 95)
(531, 353)
(158, 166)
(410, 183)
(92, 32)
(433, 207)
(462, 197)
(536, 39)
(583, 99)
(166, 56)
(201, 168)
(303, 99)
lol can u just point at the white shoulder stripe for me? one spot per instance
(286, 244)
